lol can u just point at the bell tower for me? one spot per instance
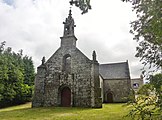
(68, 38)
(69, 25)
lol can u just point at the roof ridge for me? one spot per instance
(113, 63)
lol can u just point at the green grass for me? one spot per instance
(25, 112)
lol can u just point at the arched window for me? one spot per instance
(67, 63)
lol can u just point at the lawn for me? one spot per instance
(25, 112)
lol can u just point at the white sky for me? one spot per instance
(36, 27)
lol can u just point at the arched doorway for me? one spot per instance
(109, 97)
(65, 97)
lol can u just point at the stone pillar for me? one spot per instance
(39, 90)
(96, 100)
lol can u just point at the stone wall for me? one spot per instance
(118, 88)
(39, 90)
(83, 80)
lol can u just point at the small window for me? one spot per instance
(67, 63)
(135, 85)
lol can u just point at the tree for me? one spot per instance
(29, 74)
(147, 31)
(156, 81)
(84, 5)
(148, 103)
(16, 77)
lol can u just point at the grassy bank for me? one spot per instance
(25, 112)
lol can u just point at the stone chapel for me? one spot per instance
(69, 78)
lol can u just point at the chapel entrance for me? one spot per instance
(109, 97)
(65, 97)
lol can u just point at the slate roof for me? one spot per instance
(115, 71)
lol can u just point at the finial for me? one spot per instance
(94, 55)
(141, 76)
(43, 60)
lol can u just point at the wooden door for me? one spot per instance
(66, 97)
(109, 97)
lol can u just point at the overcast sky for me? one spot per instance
(36, 27)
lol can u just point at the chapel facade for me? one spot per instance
(68, 77)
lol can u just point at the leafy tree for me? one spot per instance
(16, 77)
(145, 89)
(156, 81)
(84, 5)
(144, 106)
(28, 70)
(148, 102)
(147, 31)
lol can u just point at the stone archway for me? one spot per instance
(66, 97)
(109, 97)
